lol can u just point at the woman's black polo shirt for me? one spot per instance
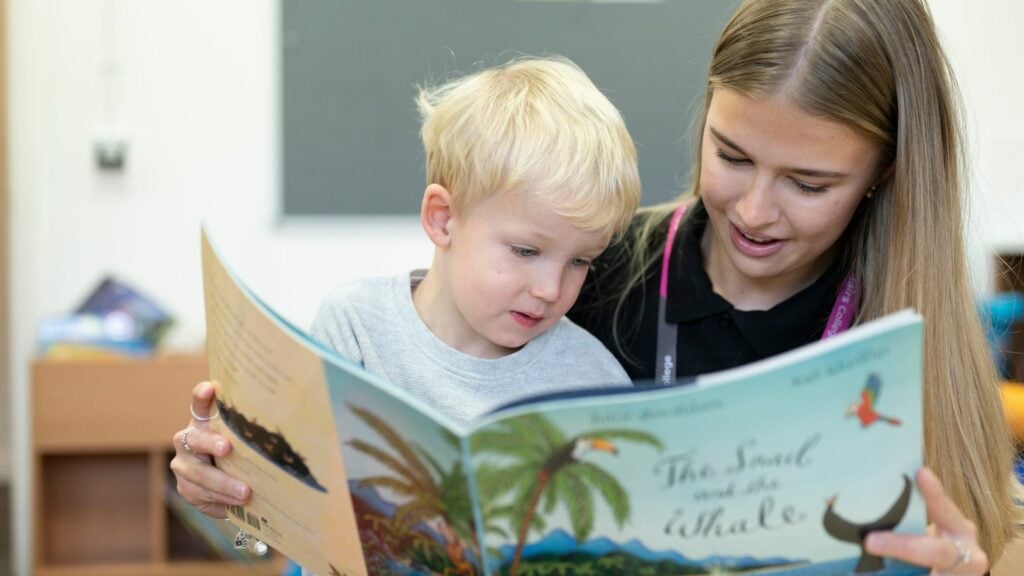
(713, 335)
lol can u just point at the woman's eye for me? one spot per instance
(732, 159)
(581, 263)
(810, 189)
(523, 252)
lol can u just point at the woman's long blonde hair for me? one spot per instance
(877, 67)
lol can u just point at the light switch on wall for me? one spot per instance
(110, 150)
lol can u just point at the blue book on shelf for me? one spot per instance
(138, 315)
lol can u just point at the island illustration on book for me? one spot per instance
(271, 445)
(780, 467)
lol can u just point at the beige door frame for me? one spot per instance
(5, 261)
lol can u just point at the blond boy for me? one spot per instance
(530, 174)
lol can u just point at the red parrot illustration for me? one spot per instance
(864, 408)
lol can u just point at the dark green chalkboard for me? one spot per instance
(350, 69)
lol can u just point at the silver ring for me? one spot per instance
(963, 555)
(199, 418)
(184, 440)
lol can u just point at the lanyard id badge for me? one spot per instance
(841, 317)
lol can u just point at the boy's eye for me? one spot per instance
(523, 251)
(731, 159)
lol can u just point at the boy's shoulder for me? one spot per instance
(365, 297)
(354, 305)
(364, 289)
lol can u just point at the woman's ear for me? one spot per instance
(436, 214)
(884, 175)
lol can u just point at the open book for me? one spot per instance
(778, 467)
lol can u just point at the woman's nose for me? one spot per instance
(758, 208)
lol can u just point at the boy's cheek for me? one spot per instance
(572, 291)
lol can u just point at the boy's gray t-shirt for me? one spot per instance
(374, 323)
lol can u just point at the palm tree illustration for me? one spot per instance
(431, 491)
(546, 463)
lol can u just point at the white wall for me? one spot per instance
(195, 91)
(984, 43)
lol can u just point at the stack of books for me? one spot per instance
(115, 320)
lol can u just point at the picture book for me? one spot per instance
(779, 467)
(138, 316)
(114, 321)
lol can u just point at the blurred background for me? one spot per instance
(290, 128)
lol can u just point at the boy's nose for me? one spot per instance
(546, 286)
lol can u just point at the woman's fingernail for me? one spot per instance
(221, 446)
(240, 491)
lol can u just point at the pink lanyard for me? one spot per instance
(843, 311)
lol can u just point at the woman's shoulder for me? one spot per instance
(637, 251)
(645, 233)
(624, 267)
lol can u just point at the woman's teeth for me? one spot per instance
(756, 239)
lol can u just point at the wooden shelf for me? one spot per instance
(158, 569)
(101, 443)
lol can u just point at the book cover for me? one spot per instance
(138, 316)
(779, 467)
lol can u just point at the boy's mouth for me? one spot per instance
(526, 320)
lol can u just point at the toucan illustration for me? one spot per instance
(864, 407)
(846, 531)
(578, 448)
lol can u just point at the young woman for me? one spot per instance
(829, 165)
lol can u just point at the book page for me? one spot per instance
(409, 482)
(272, 397)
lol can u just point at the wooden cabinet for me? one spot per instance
(101, 445)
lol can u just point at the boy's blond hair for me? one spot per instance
(532, 125)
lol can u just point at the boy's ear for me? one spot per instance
(436, 214)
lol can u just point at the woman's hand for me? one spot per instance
(203, 485)
(951, 545)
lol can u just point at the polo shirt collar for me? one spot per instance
(689, 287)
(791, 323)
